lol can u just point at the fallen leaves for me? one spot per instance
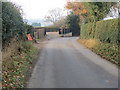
(105, 50)
(15, 67)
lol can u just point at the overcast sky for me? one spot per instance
(37, 9)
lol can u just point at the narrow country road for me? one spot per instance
(64, 63)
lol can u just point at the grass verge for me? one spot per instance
(105, 50)
(17, 60)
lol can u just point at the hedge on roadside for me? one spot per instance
(51, 29)
(87, 31)
(105, 31)
(12, 22)
(13, 25)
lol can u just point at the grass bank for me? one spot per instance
(17, 60)
(105, 50)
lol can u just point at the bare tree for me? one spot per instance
(54, 15)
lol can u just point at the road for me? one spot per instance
(64, 63)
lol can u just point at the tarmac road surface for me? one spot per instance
(64, 63)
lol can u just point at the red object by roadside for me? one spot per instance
(29, 37)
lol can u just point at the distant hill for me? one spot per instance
(41, 21)
(31, 21)
(36, 24)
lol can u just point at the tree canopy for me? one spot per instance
(72, 22)
(12, 22)
(90, 11)
(98, 10)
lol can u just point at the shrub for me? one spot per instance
(103, 38)
(17, 60)
(13, 24)
(51, 29)
(107, 31)
(105, 50)
(87, 31)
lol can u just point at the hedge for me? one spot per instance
(13, 25)
(12, 22)
(87, 31)
(51, 29)
(105, 31)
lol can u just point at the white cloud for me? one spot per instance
(35, 9)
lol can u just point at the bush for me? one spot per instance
(103, 38)
(87, 31)
(13, 24)
(17, 60)
(17, 54)
(105, 50)
(51, 29)
(107, 31)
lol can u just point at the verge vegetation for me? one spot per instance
(17, 60)
(102, 38)
(17, 52)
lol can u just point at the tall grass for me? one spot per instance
(17, 59)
